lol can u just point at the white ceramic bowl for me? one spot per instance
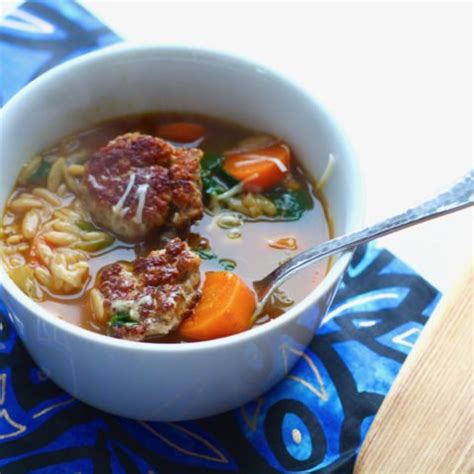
(173, 381)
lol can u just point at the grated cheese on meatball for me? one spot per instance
(150, 296)
(138, 183)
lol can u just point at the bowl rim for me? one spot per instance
(116, 51)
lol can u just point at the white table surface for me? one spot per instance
(396, 76)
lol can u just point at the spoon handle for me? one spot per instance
(459, 196)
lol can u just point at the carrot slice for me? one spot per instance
(181, 132)
(260, 169)
(226, 308)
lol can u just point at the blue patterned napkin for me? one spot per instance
(313, 421)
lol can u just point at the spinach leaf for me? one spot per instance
(205, 254)
(290, 203)
(121, 318)
(210, 161)
(208, 254)
(41, 173)
(227, 264)
(214, 179)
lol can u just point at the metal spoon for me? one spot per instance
(459, 196)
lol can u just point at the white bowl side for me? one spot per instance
(133, 79)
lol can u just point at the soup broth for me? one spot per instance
(249, 243)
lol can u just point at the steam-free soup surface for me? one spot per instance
(251, 250)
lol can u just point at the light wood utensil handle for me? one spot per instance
(425, 425)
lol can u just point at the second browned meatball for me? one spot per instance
(150, 296)
(138, 183)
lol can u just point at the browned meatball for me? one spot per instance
(150, 296)
(139, 183)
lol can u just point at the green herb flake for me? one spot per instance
(214, 179)
(41, 174)
(121, 318)
(227, 264)
(205, 254)
(290, 204)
